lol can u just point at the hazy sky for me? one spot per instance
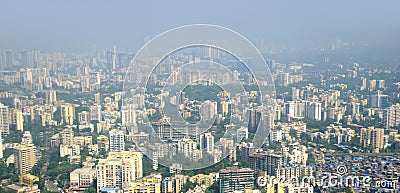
(83, 25)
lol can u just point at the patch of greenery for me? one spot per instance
(188, 185)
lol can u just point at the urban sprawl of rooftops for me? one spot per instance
(65, 128)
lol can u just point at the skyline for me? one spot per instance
(87, 26)
(199, 97)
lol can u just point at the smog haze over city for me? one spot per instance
(199, 96)
(83, 26)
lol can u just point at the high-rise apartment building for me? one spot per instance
(207, 142)
(128, 118)
(372, 137)
(119, 169)
(68, 113)
(363, 83)
(313, 110)
(208, 110)
(82, 177)
(266, 161)
(254, 119)
(17, 119)
(268, 121)
(1, 147)
(236, 179)
(84, 118)
(187, 147)
(117, 142)
(51, 96)
(224, 108)
(391, 116)
(378, 100)
(173, 184)
(95, 112)
(67, 136)
(4, 120)
(24, 158)
(103, 142)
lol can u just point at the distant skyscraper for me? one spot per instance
(117, 142)
(95, 113)
(1, 147)
(268, 121)
(363, 83)
(17, 119)
(27, 59)
(2, 59)
(381, 83)
(4, 122)
(313, 110)
(187, 147)
(68, 113)
(67, 136)
(266, 161)
(51, 96)
(9, 59)
(128, 118)
(207, 142)
(295, 93)
(122, 59)
(114, 58)
(372, 85)
(378, 100)
(93, 62)
(254, 119)
(224, 108)
(97, 98)
(208, 110)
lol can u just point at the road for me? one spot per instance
(51, 186)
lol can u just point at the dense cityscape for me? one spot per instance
(64, 127)
(199, 96)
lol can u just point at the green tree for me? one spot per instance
(187, 186)
(91, 189)
(214, 188)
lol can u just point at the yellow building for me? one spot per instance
(102, 142)
(174, 184)
(150, 184)
(203, 180)
(28, 179)
(82, 140)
